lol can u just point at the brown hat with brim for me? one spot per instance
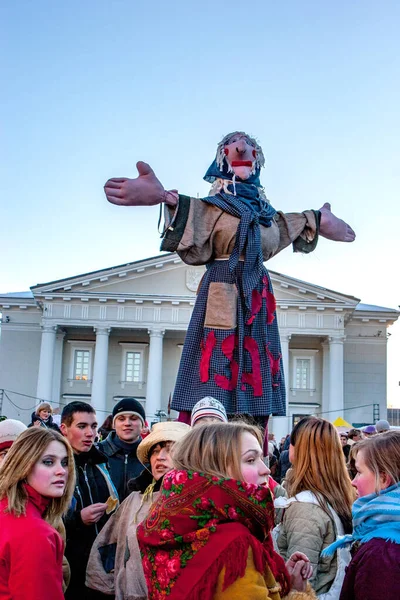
(166, 431)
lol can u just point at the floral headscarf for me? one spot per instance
(196, 511)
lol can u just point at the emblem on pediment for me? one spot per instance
(193, 278)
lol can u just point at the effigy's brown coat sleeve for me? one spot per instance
(299, 229)
(200, 232)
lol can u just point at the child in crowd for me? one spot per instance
(374, 572)
(9, 431)
(208, 534)
(36, 486)
(208, 410)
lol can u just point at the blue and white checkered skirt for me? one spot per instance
(255, 346)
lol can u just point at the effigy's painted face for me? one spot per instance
(240, 155)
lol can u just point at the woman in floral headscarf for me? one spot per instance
(208, 535)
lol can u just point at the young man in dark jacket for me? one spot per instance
(120, 446)
(94, 486)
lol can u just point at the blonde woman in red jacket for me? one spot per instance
(36, 486)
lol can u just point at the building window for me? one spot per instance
(81, 364)
(297, 418)
(303, 368)
(132, 364)
(302, 371)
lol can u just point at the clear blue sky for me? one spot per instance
(90, 87)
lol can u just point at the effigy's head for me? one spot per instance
(239, 155)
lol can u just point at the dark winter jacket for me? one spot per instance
(49, 423)
(31, 553)
(93, 484)
(123, 462)
(284, 462)
(374, 572)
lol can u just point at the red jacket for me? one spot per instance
(31, 553)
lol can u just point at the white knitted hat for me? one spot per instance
(208, 407)
(9, 431)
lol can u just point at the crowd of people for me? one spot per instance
(196, 511)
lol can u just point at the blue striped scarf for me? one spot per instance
(248, 240)
(374, 516)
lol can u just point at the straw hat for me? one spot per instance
(166, 431)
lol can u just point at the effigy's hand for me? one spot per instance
(333, 228)
(145, 190)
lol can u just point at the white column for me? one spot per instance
(325, 380)
(46, 362)
(285, 339)
(99, 384)
(57, 366)
(336, 385)
(154, 373)
(280, 426)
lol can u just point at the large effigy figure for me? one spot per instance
(232, 348)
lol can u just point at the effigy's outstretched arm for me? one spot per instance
(145, 190)
(198, 231)
(333, 228)
(303, 229)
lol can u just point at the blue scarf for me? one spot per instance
(374, 516)
(243, 202)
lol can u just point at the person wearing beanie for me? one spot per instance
(369, 430)
(208, 410)
(120, 446)
(9, 431)
(382, 426)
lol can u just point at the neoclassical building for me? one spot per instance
(119, 331)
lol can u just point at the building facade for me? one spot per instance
(120, 331)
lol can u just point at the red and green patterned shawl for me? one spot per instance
(201, 524)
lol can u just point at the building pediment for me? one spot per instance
(162, 290)
(167, 276)
(156, 276)
(291, 292)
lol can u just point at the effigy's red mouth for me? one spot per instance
(241, 163)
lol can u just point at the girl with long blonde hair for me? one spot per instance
(36, 485)
(207, 537)
(320, 498)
